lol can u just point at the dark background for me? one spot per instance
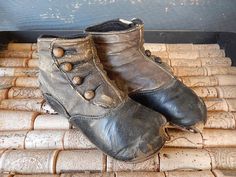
(199, 15)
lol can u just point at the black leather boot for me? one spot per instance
(74, 83)
(120, 47)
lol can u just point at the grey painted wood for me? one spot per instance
(203, 15)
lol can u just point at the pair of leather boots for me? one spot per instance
(117, 95)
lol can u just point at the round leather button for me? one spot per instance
(66, 67)
(148, 53)
(58, 52)
(158, 60)
(89, 94)
(77, 80)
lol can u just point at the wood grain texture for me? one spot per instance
(28, 162)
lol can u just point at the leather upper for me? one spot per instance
(80, 54)
(75, 85)
(122, 54)
(120, 47)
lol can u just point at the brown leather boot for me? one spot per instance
(120, 47)
(75, 85)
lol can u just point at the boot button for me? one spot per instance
(158, 60)
(89, 94)
(66, 67)
(77, 80)
(148, 53)
(58, 52)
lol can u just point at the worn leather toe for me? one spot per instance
(131, 133)
(179, 104)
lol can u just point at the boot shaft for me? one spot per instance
(120, 46)
(117, 36)
(122, 53)
(72, 73)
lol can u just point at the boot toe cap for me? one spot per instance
(132, 133)
(178, 103)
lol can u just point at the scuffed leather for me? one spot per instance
(120, 127)
(128, 133)
(176, 105)
(122, 54)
